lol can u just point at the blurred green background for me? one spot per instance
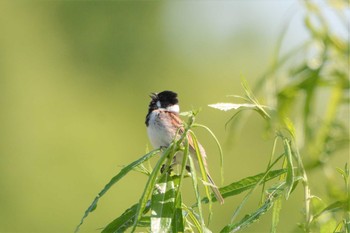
(74, 83)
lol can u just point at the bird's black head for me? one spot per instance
(164, 99)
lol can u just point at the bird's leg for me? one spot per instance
(170, 169)
(162, 168)
(162, 148)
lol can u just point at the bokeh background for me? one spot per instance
(74, 83)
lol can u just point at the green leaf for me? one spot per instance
(247, 183)
(290, 168)
(259, 108)
(183, 169)
(344, 173)
(163, 205)
(126, 220)
(253, 217)
(219, 147)
(203, 171)
(150, 184)
(195, 187)
(114, 180)
(276, 214)
(178, 221)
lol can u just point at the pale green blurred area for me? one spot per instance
(74, 84)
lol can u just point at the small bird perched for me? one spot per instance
(163, 124)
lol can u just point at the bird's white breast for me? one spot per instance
(158, 133)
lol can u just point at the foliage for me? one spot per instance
(304, 100)
(160, 208)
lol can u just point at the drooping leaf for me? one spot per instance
(219, 147)
(203, 171)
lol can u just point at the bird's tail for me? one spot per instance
(215, 189)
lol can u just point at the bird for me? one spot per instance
(164, 124)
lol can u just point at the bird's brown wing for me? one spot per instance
(175, 120)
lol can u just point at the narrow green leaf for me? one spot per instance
(268, 166)
(163, 205)
(290, 168)
(126, 220)
(276, 214)
(178, 221)
(259, 108)
(194, 217)
(195, 187)
(219, 147)
(240, 206)
(150, 184)
(183, 168)
(253, 217)
(114, 180)
(247, 183)
(203, 171)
